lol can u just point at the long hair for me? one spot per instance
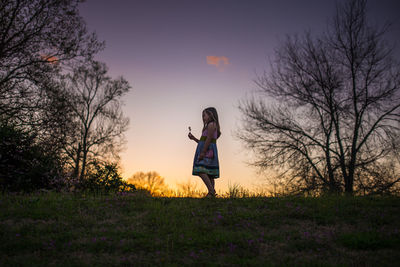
(212, 113)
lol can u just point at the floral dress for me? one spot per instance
(209, 164)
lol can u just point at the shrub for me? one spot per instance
(105, 178)
(24, 164)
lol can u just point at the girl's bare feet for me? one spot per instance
(211, 195)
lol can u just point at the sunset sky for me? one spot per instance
(181, 56)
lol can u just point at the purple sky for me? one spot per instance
(161, 48)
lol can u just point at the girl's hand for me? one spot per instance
(191, 137)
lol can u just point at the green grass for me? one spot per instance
(130, 230)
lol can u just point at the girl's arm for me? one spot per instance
(210, 132)
(191, 136)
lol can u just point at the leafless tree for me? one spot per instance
(95, 100)
(327, 116)
(37, 37)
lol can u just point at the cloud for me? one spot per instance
(219, 62)
(50, 59)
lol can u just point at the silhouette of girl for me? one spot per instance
(205, 162)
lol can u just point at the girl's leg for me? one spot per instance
(207, 182)
(212, 180)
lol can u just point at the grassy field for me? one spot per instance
(138, 230)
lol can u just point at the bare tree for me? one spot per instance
(95, 100)
(327, 116)
(36, 38)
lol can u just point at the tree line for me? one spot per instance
(60, 112)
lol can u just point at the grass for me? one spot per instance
(135, 229)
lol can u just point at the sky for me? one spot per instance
(182, 56)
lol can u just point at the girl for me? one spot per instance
(205, 162)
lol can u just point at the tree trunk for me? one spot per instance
(348, 181)
(77, 162)
(84, 158)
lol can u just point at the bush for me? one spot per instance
(105, 178)
(24, 164)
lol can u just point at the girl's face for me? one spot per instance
(206, 118)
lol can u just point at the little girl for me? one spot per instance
(205, 162)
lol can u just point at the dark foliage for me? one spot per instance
(105, 178)
(24, 164)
